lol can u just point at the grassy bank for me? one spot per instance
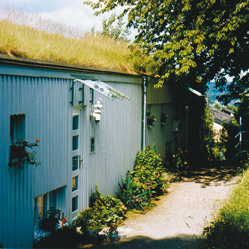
(231, 228)
(53, 42)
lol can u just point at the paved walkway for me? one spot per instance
(180, 216)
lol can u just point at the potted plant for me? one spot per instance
(151, 120)
(50, 221)
(163, 119)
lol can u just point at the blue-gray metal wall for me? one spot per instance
(44, 97)
(118, 139)
(159, 134)
(44, 101)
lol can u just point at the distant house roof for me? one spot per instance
(221, 115)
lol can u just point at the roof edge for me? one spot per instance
(4, 58)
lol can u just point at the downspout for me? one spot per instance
(144, 103)
(240, 135)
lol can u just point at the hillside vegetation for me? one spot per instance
(231, 228)
(54, 43)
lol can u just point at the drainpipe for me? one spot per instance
(240, 134)
(144, 86)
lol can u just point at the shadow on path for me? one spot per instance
(215, 176)
(179, 242)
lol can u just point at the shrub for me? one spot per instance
(103, 212)
(148, 170)
(134, 194)
(144, 182)
(177, 162)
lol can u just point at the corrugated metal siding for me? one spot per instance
(164, 94)
(48, 116)
(46, 107)
(160, 135)
(117, 139)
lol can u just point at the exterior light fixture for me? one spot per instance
(97, 109)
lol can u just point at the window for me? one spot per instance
(75, 142)
(74, 203)
(52, 199)
(91, 96)
(74, 183)
(41, 203)
(17, 127)
(76, 122)
(92, 144)
(75, 163)
(75, 159)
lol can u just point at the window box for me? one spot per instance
(21, 152)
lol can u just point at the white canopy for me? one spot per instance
(103, 88)
(195, 92)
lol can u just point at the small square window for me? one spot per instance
(92, 144)
(75, 203)
(74, 183)
(91, 96)
(76, 122)
(75, 142)
(75, 163)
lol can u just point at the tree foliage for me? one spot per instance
(115, 28)
(190, 40)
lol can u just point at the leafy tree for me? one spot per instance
(190, 40)
(114, 27)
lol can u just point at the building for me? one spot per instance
(220, 116)
(90, 123)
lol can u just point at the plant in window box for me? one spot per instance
(151, 121)
(163, 119)
(21, 152)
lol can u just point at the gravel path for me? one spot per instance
(180, 216)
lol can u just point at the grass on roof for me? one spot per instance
(86, 50)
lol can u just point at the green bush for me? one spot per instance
(103, 212)
(177, 162)
(134, 194)
(144, 182)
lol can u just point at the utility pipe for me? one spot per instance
(144, 103)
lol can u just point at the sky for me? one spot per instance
(69, 12)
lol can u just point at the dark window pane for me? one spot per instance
(74, 183)
(75, 163)
(17, 127)
(75, 142)
(91, 96)
(76, 122)
(74, 203)
(92, 144)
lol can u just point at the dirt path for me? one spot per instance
(180, 216)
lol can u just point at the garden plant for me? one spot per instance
(144, 182)
(103, 212)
